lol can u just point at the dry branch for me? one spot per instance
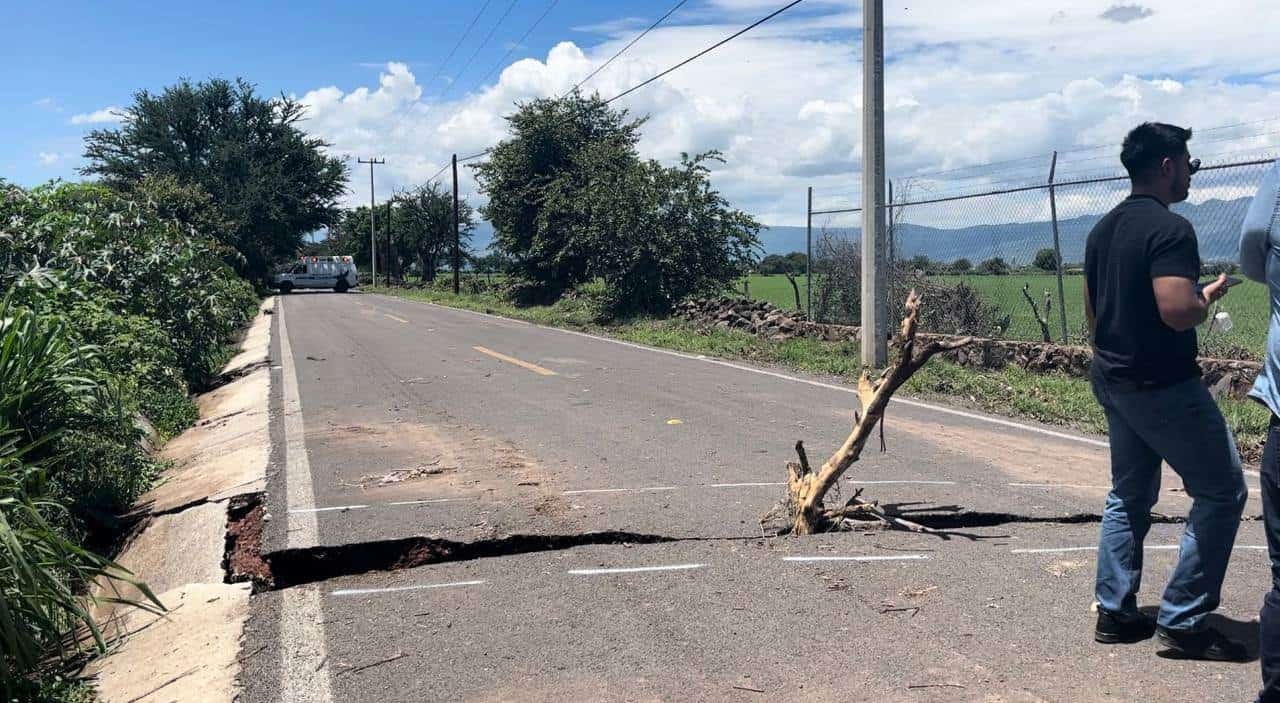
(1042, 319)
(807, 488)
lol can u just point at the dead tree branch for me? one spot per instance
(807, 488)
(1048, 308)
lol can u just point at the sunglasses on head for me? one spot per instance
(1194, 165)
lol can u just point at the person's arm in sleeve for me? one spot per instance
(1175, 266)
(1259, 228)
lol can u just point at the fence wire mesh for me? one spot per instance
(989, 263)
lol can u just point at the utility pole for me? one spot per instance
(390, 252)
(373, 241)
(875, 278)
(457, 263)
(808, 257)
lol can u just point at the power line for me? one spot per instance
(519, 41)
(483, 43)
(623, 50)
(640, 85)
(707, 50)
(461, 39)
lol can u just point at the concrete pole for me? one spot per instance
(808, 257)
(457, 234)
(373, 236)
(875, 279)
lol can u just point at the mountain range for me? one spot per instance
(1217, 224)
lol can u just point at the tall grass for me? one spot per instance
(44, 383)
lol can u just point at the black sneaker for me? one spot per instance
(1116, 628)
(1202, 644)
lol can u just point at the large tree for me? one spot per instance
(422, 228)
(270, 181)
(548, 151)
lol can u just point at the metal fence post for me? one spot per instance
(892, 255)
(808, 256)
(1057, 246)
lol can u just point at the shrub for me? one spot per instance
(995, 266)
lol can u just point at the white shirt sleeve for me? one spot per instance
(1259, 231)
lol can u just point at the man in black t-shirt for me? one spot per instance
(1143, 304)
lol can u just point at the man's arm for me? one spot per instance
(1088, 311)
(1181, 306)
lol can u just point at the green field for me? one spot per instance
(1247, 303)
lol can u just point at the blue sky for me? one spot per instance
(967, 83)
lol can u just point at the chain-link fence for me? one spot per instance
(1007, 261)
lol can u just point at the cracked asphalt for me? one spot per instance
(422, 420)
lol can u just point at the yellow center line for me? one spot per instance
(397, 319)
(512, 360)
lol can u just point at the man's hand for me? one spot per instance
(1182, 304)
(1213, 291)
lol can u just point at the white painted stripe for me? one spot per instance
(1056, 485)
(635, 569)
(621, 490)
(325, 510)
(1150, 547)
(885, 483)
(304, 670)
(423, 502)
(301, 528)
(396, 589)
(896, 557)
(743, 485)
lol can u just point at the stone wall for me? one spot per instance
(1227, 377)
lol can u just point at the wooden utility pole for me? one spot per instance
(457, 262)
(875, 273)
(373, 236)
(390, 250)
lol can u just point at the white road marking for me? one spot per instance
(1151, 547)
(896, 557)
(301, 527)
(1056, 485)
(304, 674)
(621, 490)
(397, 319)
(396, 589)
(325, 510)
(886, 483)
(423, 502)
(743, 485)
(635, 569)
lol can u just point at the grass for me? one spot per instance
(1054, 399)
(1248, 305)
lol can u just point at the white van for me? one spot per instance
(336, 272)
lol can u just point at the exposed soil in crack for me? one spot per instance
(243, 560)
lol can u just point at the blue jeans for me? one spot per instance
(1182, 425)
(1269, 655)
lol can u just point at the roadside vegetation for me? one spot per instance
(122, 299)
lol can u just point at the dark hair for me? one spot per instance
(1150, 143)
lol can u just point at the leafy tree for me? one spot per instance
(960, 265)
(422, 227)
(995, 266)
(660, 234)
(269, 182)
(798, 261)
(774, 264)
(547, 154)
(1045, 260)
(920, 262)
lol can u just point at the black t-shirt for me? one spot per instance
(1137, 241)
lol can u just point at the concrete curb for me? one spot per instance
(190, 652)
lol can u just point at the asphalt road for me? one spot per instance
(397, 419)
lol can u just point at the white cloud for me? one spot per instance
(966, 84)
(49, 158)
(47, 103)
(107, 115)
